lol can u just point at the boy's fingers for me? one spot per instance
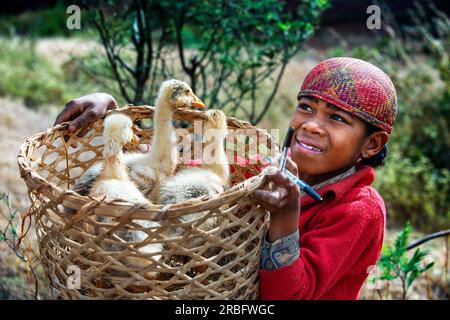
(274, 175)
(83, 132)
(271, 197)
(87, 117)
(71, 110)
(112, 105)
(268, 206)
(265, 205)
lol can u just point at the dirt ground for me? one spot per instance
(17, 122)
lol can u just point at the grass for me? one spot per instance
(36, 78)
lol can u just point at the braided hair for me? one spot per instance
(378, 159)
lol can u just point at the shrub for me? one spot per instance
(232, 53)
(396, 264)
(37, 80)
(30, 77)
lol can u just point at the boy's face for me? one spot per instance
(327, 140)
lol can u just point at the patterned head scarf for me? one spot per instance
(355, 86)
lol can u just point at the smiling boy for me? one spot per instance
(345, 112)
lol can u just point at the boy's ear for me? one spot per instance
(374, 143)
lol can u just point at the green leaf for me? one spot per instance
(402, 239)
(427, 267)
(412, 276)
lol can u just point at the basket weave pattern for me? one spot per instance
(223, 266)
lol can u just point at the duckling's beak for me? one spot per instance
(197, 103)
(135, 139)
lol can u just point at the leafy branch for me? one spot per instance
(395, 263)
(233, 53)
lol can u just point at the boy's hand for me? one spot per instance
(283, 202)
(85, 110)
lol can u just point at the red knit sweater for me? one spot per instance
(340, 238)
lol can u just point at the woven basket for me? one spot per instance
(225, 266)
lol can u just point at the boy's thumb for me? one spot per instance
(279, 194)
(271, 170)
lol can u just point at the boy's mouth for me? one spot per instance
(309, 146)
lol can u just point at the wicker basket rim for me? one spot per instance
(75, 201)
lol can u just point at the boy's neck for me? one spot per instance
(316, 179)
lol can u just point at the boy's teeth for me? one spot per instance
(310, 147)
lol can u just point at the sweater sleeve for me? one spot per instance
(279, 253)
(328, 251)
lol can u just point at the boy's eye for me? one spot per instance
(304, 106)
(337, 117)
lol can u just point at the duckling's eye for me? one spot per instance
(187, 91)
(304, 106)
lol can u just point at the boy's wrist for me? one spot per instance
(282, 224)
(281, 253)
(276, 232)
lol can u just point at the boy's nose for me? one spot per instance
(312, 127)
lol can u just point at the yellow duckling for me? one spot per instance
(150, 169)
(113, 182)
(211, 178)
